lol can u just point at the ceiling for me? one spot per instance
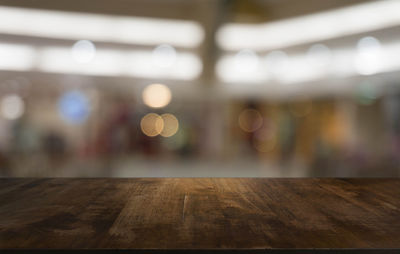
(211, 14)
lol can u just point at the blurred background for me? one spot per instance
(232, 88)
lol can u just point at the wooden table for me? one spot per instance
(191, 215)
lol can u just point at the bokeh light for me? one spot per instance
(277, 63)
(369, 53)
(156, 95)
(74, 107)
(134, 96)
(12, 106)
(164, 56)
(319, 56)
(152, 124)
(83, 51)
(246, 61)
(250, 120)
(171, 125)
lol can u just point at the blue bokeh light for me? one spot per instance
(74, 107)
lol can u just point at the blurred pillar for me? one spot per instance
(213, 14)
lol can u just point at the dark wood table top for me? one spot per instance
(199, 213)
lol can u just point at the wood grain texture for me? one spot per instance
(199, 213)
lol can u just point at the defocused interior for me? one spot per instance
(200, 88)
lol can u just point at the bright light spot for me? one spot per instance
(74, 107)
(152, 124)
(12, 106)
(368, 45)
(156, 95)
(16, 57)
(171, 125)
(98, 27)
(83, 51)
(230, 68)
(265, 140)
(250, 120)
(106, 62)
(356, 19)
(320, 63)
(319, 56)
(141, 63)
(246, 61)
(113, 62)
(277, 64)
(369, 56)
(164, 56)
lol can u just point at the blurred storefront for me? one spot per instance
(232, 88)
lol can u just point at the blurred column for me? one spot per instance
(213, 14)
(214, 129)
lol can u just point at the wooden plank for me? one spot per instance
(199, 213)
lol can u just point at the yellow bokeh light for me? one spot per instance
(156, 95)
(250, 120)
(171, 125)
(152, 124)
